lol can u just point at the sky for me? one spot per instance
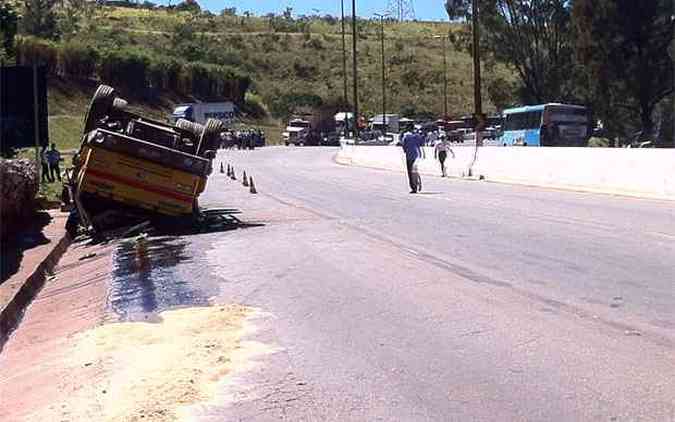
(424, 9)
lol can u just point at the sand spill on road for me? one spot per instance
(152, 371)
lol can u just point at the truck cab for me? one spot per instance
(297, 132)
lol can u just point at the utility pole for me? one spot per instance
(344, 53)
(445, 76)
(356, 75)
(384, 77)
(478, 99)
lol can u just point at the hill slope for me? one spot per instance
(303, 57)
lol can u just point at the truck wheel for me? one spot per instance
(188, 126)
(210, 134)
(119, 104)
(100, 105)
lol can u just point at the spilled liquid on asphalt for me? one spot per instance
(146, 281)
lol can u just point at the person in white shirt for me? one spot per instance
(441, 153)
(432, 137)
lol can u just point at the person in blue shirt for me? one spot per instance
(412, 147)
(53, 159)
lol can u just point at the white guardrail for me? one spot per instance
(647, 173)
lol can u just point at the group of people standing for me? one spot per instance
(242, 139)
(413, 143)
(50, 159)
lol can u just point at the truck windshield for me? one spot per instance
(298, 123)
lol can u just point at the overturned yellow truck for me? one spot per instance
(131, 166)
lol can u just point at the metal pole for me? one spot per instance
(36, 116)
(478, 101)
(354, 69)
(384, 80)
(445, 80)
(344, 52)
(2, 86)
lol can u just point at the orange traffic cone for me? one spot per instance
(253, 189)
(245, 182)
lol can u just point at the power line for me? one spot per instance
(401, 10)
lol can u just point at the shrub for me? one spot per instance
(254, 106)
(163, 73)
(124, 67)
(314, 43)
(31, 50)
(77, 60)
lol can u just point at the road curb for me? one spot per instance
(11, 314)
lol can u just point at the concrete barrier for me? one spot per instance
(647, 173)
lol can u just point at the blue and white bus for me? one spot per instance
(546, 125)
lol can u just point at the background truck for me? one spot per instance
(201, 112)
(310, 128)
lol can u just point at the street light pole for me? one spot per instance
(354, 69)
(384, 77)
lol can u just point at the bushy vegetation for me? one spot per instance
(132, 67)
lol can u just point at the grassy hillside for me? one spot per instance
(303, 56)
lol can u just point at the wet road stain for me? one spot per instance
(145, 281)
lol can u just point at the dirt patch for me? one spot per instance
(152, 371)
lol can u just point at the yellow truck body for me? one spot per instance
(138, 182)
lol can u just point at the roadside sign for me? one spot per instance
(17, 107)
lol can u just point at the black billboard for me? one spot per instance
(17, 112)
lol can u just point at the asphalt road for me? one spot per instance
(470, 302)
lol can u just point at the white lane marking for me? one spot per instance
(665, 235)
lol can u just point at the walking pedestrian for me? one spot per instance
(441, 152)
(432, 137)
(45, 166)
(54, 158)
(412, 147)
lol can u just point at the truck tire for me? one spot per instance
(188, 126)
(100, 105)
(119, 104)
(211, 131)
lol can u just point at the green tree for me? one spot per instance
(623, 45)
(186, 43)
(39, 18)
(533, 37)
(9, 18)
(75, 17)
(189, 6)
